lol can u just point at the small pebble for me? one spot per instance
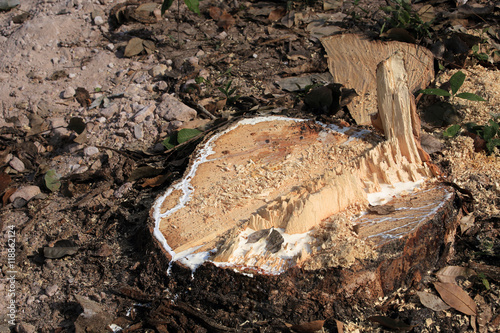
(144, 113)
(52, 290)
(162, 85)
(17, 164)
(91, 150)
(25, 328)
(122, 190)
(98, 20)
(68, 93)
(25, 192)
(138, 131)
(19, 203)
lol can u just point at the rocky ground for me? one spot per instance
(83, 115)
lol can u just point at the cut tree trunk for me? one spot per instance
(276, 195)
(353, 59)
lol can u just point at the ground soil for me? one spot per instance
(111, 173)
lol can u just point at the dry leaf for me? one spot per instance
(149, 46)
(226, 21)
(449, 274)
(431, 301)
(219, 105)
(4, 181)
(134, 47)
(277, 14)
(340, 326)
(6, 196)
(215, 13)
(309, 327)
(156, 181)
(426, 13)
(457, 298)
(496, 321)
(399, 34)
(82, 96)
(466, 222)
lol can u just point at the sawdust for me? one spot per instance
(476, 171)
(337, 245)
(480, 81)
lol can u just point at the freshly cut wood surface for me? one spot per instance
(271, 193)
(353, 59)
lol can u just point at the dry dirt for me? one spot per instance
(111, 173)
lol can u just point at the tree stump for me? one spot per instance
(353, 59)
(275, 195)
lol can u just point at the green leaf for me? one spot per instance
(451, 131)
(474, 128)
(52, 180)
(489, 132)
(166, 5)
(470, 97)
(485, 282)
(435, 91)
(475, 48)
(482, 56)
(387, 9)
(490, 145)
(193, 5)
(187, 133)
(170, 141)
(495, 125)
(456, 81)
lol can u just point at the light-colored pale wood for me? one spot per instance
(300, 177)
(353, 59)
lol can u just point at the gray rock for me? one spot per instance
(17, 164)
(25, 192)
(138, 131)
(91, 150)
(25, 328)
(93, 318)
(173, 109)
(19, 202)
(159, 147)
(144, 113)
(162, 86)
(68, 93)
(98, 20)
(122, 190)
(90, 308)
(6, 159)
(58, 122)
(51, 290)
(110, 111)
